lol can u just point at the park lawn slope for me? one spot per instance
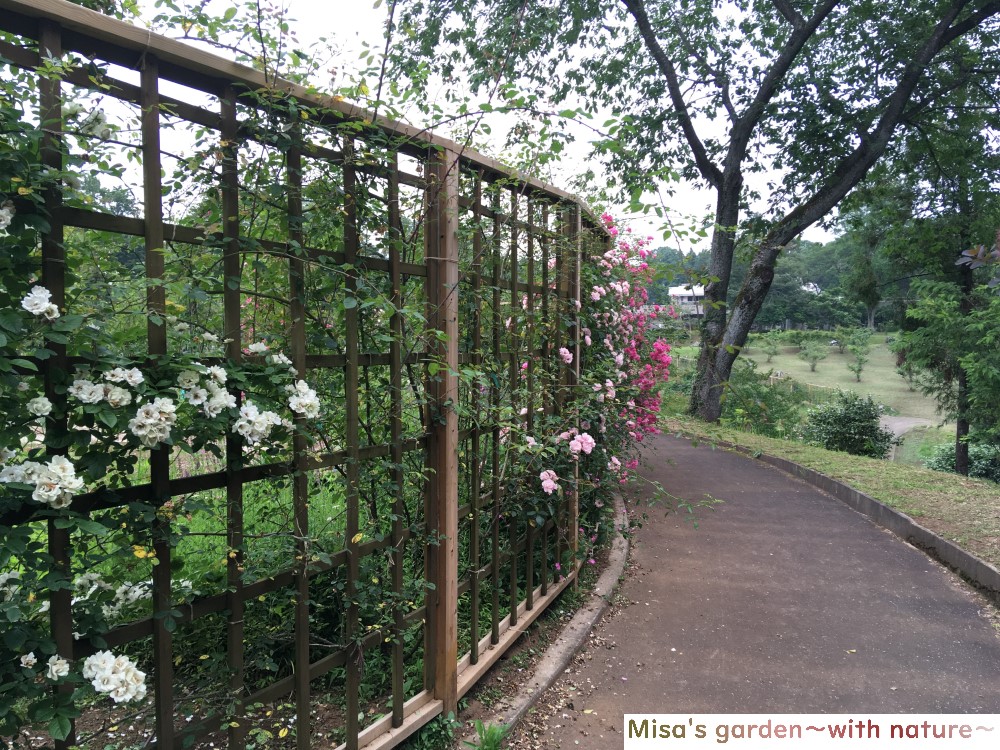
(879, 377)
(964, 511)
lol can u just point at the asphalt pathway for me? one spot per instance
(782, 600)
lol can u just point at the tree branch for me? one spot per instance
(852, 169)
(719, 77)
(705, 165)
(744, 127)
(790, 14)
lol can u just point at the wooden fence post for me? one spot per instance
(574, 261)
(442, 442)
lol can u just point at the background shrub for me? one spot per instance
(984, 460)
(849, 423)
(751, 403)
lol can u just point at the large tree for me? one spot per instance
(947, 171)
(809, 90)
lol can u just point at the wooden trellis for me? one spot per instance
(497, 266)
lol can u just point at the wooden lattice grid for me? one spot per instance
(480, 242)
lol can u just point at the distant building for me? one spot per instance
(688, 300)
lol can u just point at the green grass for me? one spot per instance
(965, 511)
(879, 377)
(920, 442)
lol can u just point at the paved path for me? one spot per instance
(901, 425)
(782, 600)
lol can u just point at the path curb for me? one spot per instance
(978, 572)
(574, 634)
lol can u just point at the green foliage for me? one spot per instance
(849, 423)
(859, 345)
(814, 352)
(489, 736)
(948, 339)
(437, 734)
(753, 405)
(768, 343)
(984, 460)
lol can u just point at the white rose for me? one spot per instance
(28, 660)
(258, 347)
(37, 300)
(197, 396)
(64, 471)
(58, 668)
(105, 682)
(96, 664)
(134, 377)
(49, 492)
(40, 406)
(188, 379)
(7, 213)
(116, 396)
(86, 391)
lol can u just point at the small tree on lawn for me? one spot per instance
(859, 345)
(768, 344)
(812, 352)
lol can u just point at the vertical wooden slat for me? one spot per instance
(353, 438)
(300, 479)
(234, 443)
(573, 375)
(156, 334)
(497, 339)
(514, 371)
(396, 438)
(475, 479)
(546, 368)
(529, 556)
(561, 295)
(54, 279)
(442, 443)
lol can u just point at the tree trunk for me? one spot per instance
(719, 358)
(962, 418)
(710, 381)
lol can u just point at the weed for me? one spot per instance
(490, 736)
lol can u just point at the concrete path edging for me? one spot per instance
(574, 634)
(978, 572)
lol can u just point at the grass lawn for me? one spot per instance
(965, 511)
(879, 377)
(919, 443)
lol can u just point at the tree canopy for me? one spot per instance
(805, 94)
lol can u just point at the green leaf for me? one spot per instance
(350, 302)
(24, 364)
(67, 323)
(230, 14)
(10, 320)
(60, 727)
